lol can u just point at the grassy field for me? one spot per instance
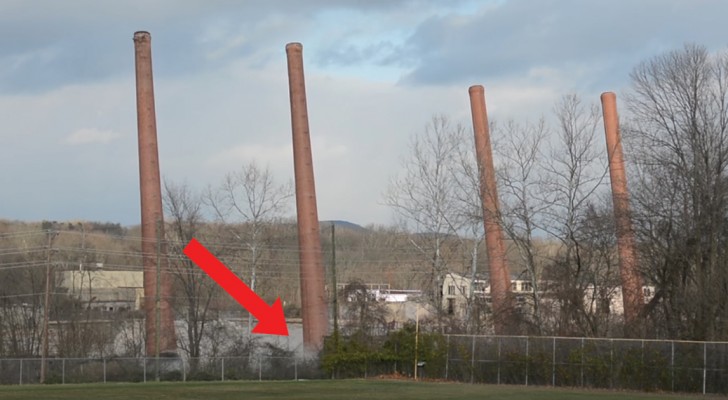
(304, 390)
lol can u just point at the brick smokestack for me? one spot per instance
(500, 280)
(161, 330)
(313, 299)
(631, 280)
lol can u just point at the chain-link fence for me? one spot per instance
(643, 365)
(84, 370)
(673, 366)
(647, 365)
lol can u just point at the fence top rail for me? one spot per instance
(112, 358)
(39, 359)
(585, 338)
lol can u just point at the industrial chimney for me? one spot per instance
(631, 281)
(500, 280)
(159, 321)
(313, 298)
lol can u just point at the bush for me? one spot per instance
(360, 355)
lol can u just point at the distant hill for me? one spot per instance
(343, 224)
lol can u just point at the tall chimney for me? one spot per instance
(159, 321)
(500, 280)
(313, 299)
(631, 280)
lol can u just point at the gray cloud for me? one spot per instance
(519, 35)
(383, 53)
(47, 43)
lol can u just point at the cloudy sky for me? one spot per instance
(376, 72)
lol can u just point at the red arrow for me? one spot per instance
(270, 318)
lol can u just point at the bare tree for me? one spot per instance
(250, 202)
(424, 197)
(130, 336)
(522, 180)
(363, 314)
(679, 133)
(469, 208)
(183, 215)
(575, 171)
(21, 300)
(602, 280)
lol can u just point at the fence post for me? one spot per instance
(499, 358)
(472, 361)
(145, 369)
(366, 365)
(672, 365)
(104, 363)
(527, 360)
(705, 363)
(184, 370)
(553, 363)
(447, 356)
(396, 352)
(63, 370)
(21, 371)
(582, 362)
(295, 369)
(611, 363)
(642, 366)
(260, 368)
(222, 369)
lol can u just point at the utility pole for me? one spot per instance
(334, 289)
(471, 290)
(254, 253)
(83, 248)
(417, 335)
(46, 308)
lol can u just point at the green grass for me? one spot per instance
(304, 390)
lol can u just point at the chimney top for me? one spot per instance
(142, 36)
(476, 89)
(294, 46)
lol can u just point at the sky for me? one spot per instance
(376, 72)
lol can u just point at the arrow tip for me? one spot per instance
(273, 322)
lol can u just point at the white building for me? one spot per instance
(616, 302)
(456, 292)
(105, 290)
